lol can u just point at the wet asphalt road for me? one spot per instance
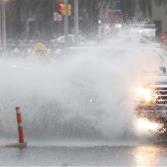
(141, 155)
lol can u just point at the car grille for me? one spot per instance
(161, 95)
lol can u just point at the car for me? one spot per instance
(151, 102)
(60, 41)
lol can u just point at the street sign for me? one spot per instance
(57, 16)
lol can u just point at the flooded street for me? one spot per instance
(76, 98)
(83, 83)
(141, 155)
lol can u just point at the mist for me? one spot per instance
(83, 94)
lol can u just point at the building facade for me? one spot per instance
(159, 16)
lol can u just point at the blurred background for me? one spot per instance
(43, 19)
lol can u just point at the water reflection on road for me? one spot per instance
(137, 155)
(147, 156)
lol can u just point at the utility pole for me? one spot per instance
(3, 25)
(1, 44)
(99, 29)
(76, 19)
(66, 22)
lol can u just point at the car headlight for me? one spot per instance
(144, 94)
(144, 124)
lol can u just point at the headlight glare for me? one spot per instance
(144, 94)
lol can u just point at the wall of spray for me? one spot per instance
(84, 94)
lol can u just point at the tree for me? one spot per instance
(20, 10)
(145, 7)
(90, 11)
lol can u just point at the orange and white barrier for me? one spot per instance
(21, 143)
(20, 125)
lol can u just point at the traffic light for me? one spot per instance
(62, 9)
(69, 9)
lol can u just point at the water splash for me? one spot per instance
(83, 94)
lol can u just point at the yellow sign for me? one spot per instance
(40, 46)
(40, 49)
